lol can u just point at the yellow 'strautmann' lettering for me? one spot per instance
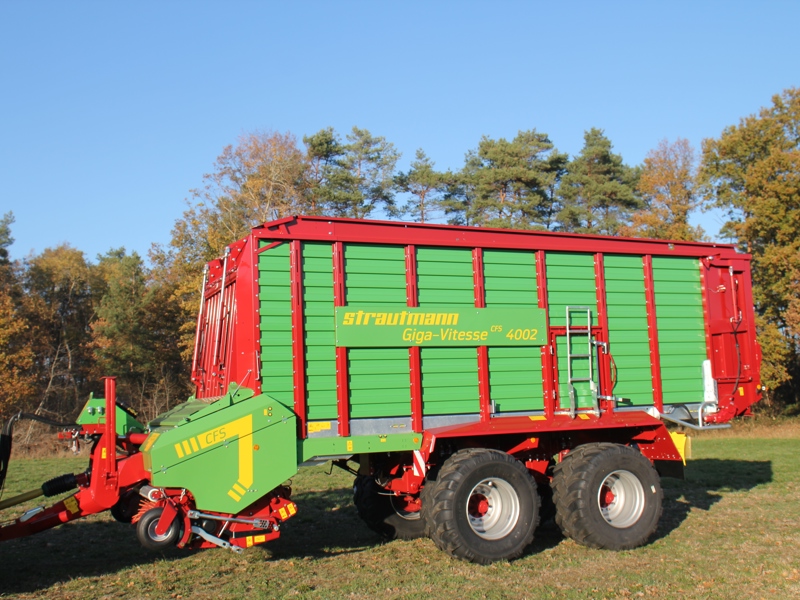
(402, 317)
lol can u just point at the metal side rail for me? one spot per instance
(696, 426)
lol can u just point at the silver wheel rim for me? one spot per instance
(151, 532)
(621, 499)
(492, 508)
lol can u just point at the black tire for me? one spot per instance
(484, 506)
(127, 506)
(426, 500)
(607, 496)
(381, 513)
(146, 531)
(547, 508)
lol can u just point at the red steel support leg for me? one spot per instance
(109, 440)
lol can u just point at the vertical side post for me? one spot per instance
(548, 372)
(652, 332)
(298, 336)
(603, 357)
(414, 352)
(706, 311)
(484, 390)
(342, 385)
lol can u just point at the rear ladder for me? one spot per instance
(573, 331)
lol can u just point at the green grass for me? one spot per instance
(729, 530)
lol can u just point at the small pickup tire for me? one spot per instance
(146, 531)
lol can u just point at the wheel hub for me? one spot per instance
(621, 499)
(493, 508)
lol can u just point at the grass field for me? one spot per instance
(731, 529)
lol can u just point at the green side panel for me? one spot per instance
(571, 282)
(378, 377)
(681, 329)
(379, 382)
(318, 325)
(515, 374)
(627, 326)
(275, 295)
(362, 444)
(449, 375)
(228, 455)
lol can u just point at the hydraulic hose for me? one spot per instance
(6, 437)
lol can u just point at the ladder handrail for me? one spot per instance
(570, 332)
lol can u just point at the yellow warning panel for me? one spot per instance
(683, 443)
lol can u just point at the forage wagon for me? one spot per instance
(474, 381)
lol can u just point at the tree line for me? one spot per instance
(66, 321)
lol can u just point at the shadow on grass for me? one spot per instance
(89, 548)
(706, 480)
(326, 525)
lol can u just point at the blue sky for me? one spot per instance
(111, 112)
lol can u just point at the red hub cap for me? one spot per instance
(607, 497)
(478, 505)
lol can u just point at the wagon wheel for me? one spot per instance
(607, 496)
(484, 506)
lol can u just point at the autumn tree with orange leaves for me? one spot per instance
(753, 172)
(668, 188)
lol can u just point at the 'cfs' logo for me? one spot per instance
(214, 436)
(209, 438)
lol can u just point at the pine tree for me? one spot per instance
(351, 179)
(425, 185)
(510, 183)
(598, 191)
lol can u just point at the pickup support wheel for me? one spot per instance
(483, 506)
(384, 514)
(146, 531)
(607, 496)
